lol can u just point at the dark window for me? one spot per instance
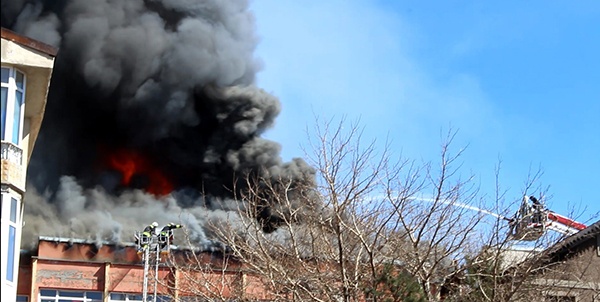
(159, 298)
(51, 295)
(116, 296)
(94, 295)
(70, 294)
(129, 297)
(48, 292)
(5, 72)
(20, 79)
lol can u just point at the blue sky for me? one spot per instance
(518, 80)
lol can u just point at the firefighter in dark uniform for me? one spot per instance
(147, 234)
(167, 233)
(538, 209)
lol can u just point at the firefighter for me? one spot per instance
(537, 205)
(167, 232)
(538, 209)
(147, 234)
(151, 228)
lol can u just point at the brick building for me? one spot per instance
(67, 270)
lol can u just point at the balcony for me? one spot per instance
(12, 153)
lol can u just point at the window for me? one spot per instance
(13, 98)
(13, 210)
(191, 299)
(10, 259)
(114, 297)
(125, 297)
(12, 218)
(53, 295)
(22, 298)
(202, 299)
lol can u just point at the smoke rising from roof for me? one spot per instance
(172, 80)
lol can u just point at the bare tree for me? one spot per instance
(367, 213)
(502, 270)
(372, 228)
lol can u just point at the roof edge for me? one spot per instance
(570, 244)
(109, 243)
(29, 42)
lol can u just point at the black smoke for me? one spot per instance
(172, 79)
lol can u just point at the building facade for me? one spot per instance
(570, 271)
(63, 269)
(66, 270)
(27, 67)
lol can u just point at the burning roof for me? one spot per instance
(153, 114)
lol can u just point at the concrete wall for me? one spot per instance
(36, 61)
(37, 66)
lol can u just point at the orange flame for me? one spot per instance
(130, 163)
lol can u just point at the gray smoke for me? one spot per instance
(171, 80)
(96, 216)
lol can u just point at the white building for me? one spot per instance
(26, 70)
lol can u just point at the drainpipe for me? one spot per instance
(106, 281)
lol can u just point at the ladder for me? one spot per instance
(151, 249)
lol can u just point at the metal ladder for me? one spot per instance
(151, 249)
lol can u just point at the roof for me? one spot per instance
(98, 243)
(29, 42)
(574, 243)
(83, 241)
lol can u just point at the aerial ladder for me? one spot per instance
(530, 222)
(151, 246)
(533, 219)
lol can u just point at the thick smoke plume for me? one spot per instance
(152, 114)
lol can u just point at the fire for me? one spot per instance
(133, 164)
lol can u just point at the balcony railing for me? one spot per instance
(12, 153)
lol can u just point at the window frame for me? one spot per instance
(12, 214)
(57, 297)
(9, 118)
(22, 298)
(131, 297)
